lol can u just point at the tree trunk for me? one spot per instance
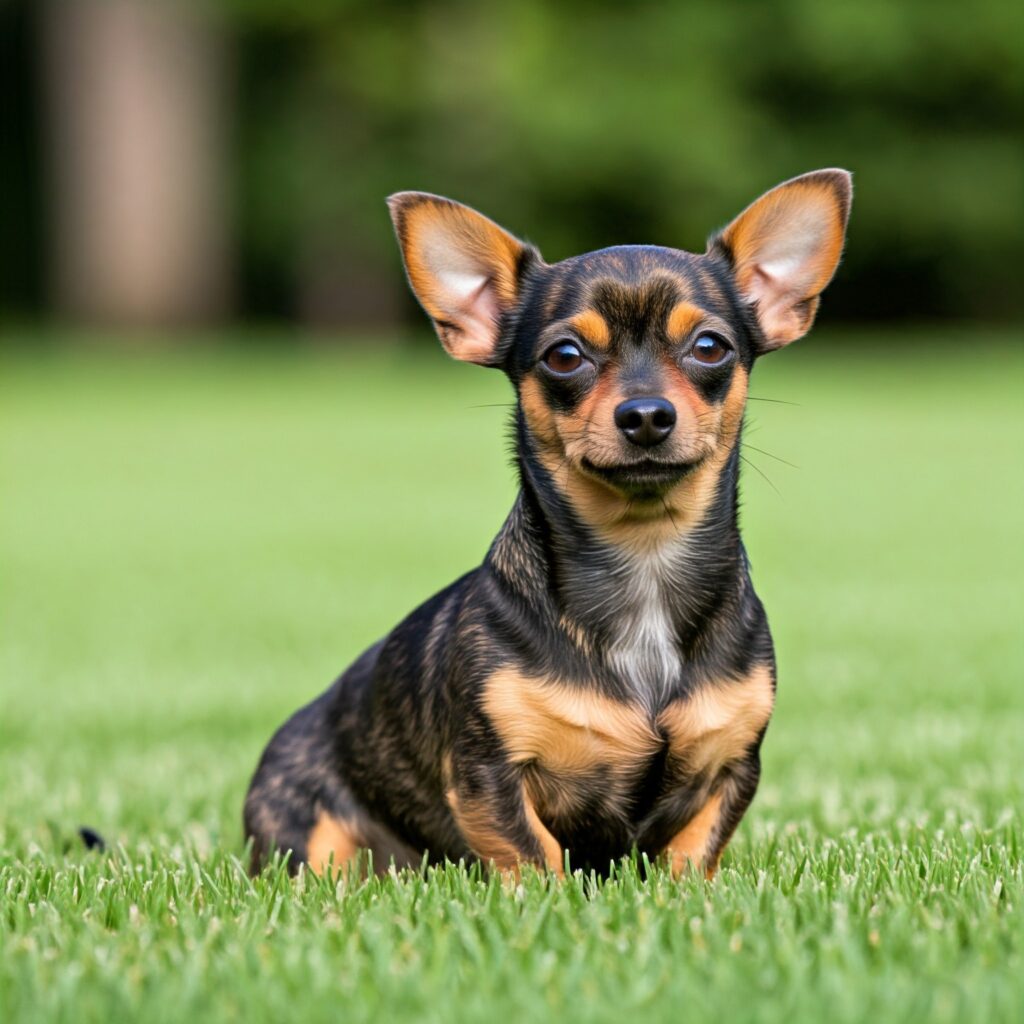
(136, 130)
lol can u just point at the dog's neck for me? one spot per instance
(643, 609)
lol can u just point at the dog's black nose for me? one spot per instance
(646, 421)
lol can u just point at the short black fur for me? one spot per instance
(417, 749)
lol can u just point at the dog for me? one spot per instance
(601, 685)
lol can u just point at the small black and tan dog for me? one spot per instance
(603, 681)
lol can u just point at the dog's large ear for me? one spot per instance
(463, 268)
(784, 249)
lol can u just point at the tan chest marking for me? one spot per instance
(565, 729)
(571, 731)
(719, 721)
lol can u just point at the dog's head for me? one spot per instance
(630, 363)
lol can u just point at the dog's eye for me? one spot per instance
(710, 350)
(563, 358)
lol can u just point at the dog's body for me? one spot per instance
(603, 681)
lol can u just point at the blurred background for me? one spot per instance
(169, 165)
(204, 514)
(233, 455)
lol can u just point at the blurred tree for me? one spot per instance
(135, 99)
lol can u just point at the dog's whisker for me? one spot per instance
(757, 469)
(777, 458)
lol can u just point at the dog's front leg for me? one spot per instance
(701, 842)
(497, 819)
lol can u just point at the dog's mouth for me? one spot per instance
(646, 478)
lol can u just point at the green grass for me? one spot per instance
(192, 544)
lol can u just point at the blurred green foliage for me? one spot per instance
(588, 124)
(581, 125)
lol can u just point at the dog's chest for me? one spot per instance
(582, 750)
(633, 604)
(644, 649)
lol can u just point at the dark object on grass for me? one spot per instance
(92, 839)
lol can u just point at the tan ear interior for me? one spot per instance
(785, 248)
(462, 267)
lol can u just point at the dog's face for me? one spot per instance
(631, 363)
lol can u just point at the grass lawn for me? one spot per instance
(192, 544)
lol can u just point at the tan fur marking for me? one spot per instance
(570, 730)
(698, 416)
(689, 848)
(590, 411)
(786, 286)
(748, 232)
(553, 856)
(721, 838)
(462, 267)
(593, 327)
(566, 729)
(719, 722)
(682, 320)
(477, 823)
(491, 247)
(331, 840)
(558, 733)
(538, 414)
